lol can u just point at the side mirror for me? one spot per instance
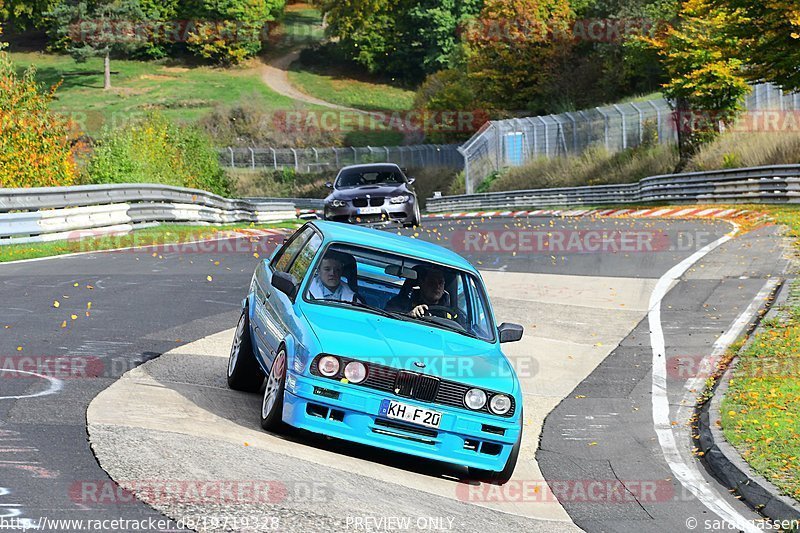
(284, 282)
(411, 180)
(329, 185)
(510, 332)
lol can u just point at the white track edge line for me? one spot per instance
(687, 473)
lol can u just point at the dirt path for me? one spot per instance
(275, 73)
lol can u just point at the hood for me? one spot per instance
(407, 345)
(375, 191)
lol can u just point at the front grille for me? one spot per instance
(364, 202)
(417, 386)
(404, 385)
(413, 385)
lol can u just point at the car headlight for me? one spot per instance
(338, 203)
(355, 372)
(399, 199)
(475, 399)
(328, 366)
(500, 404)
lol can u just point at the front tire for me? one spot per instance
(244, 374)
(502, 477)
(272, 403)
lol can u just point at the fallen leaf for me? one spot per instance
(56, 304)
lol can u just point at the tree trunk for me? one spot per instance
(107, 69)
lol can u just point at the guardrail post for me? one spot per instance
(355, 155)
(316, 157)
(386, 149)
(233, 163)
(296, 163)
(252, 158)
(574, 132)
(274, 159)
(586, 121)
(336, 154)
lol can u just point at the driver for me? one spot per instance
(431, 292)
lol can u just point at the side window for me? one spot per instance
(283, 260)
(303, 260)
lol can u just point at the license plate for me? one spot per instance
(369, 211)
(409, 413)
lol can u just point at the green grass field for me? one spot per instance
(180, 92)
(334, 84)
(157, 235)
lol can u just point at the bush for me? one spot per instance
(595, 166)
(155, 150)
(34, 143)
(739, 150)
(246, 124)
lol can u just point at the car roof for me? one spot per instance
(391, 242)
(365, 166)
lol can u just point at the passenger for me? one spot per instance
(431, 292)
(327, 283)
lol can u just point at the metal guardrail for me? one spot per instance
(774, 184)
(52, 213)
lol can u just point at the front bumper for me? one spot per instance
(462, 437)
(389, 214)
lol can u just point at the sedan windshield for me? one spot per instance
(403, 288)
(357, 178)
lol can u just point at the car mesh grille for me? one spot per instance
(422, 387)
(364, 202)
(417, 386)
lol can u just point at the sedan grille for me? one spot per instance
(364, 202)
(417, 386)
(413, 385)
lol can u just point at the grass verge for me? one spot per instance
(761, 409)
(157, 235)
(181, 92)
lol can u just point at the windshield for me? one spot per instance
(359, 177)
(402, 288)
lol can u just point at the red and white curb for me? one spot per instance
(657, 212)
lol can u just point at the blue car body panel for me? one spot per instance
(305, 329)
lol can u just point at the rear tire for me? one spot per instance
(244, 374)
(502, 477)
(272, 403)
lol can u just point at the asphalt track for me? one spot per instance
(144, 305)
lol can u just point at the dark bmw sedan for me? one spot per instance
(373, 194)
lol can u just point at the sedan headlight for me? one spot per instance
(338, 203)
(328, 366)
(355, 372)
(475, 399)
(399, 199)
(500, 404)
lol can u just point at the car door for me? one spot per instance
(278, 313)
(265, 322)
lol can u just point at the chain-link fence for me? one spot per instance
(310, 160)
(513, 142)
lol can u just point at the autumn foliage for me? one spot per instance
(34, 143)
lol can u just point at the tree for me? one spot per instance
(34, 143)
(705, 69)
(25, 12)
(228, 31)
(101, 28)
(404, 38)
(771, 32)
(513, 49)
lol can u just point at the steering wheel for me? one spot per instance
(442, 311)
